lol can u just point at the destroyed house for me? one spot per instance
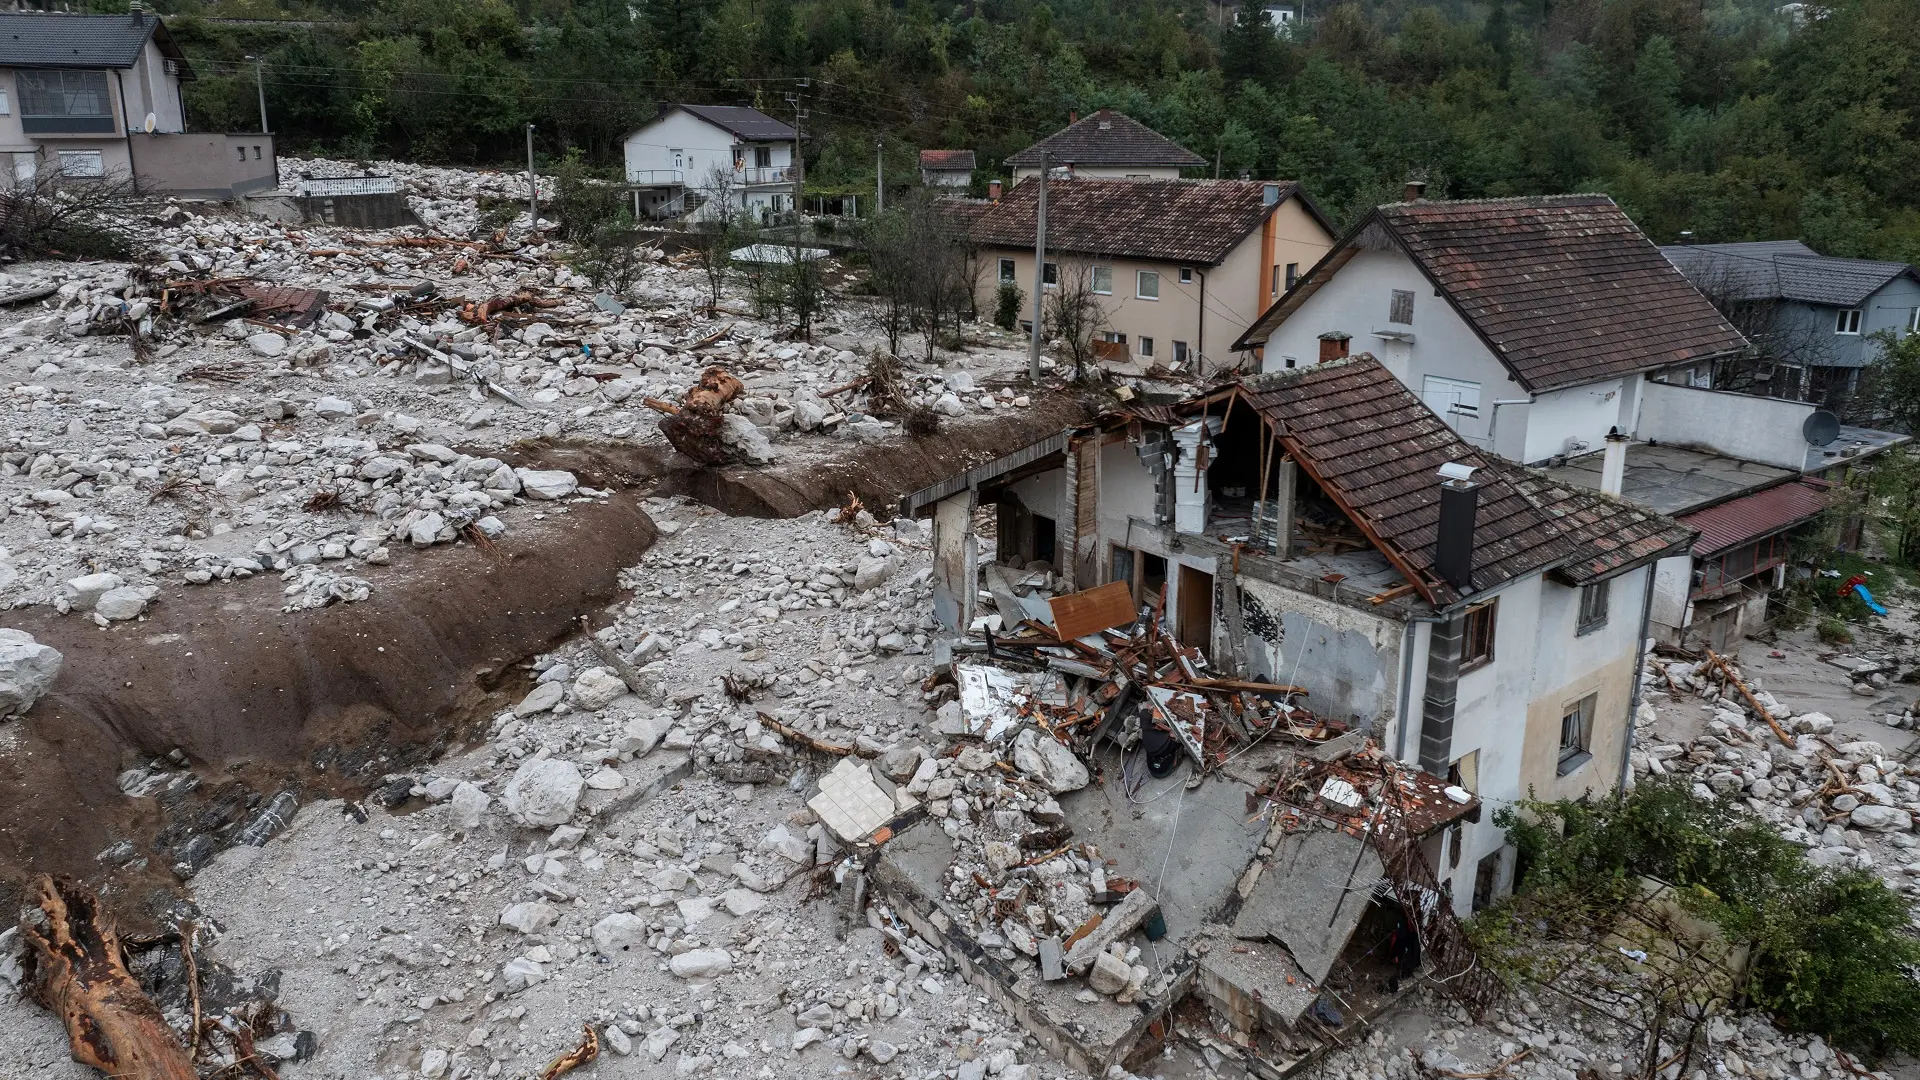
(1324, 529)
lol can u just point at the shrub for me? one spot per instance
(1835, 953)
(1007, 304)
(58, 216)
(583, 204)
(613, 258)
(1833, 630)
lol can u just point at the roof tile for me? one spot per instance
(1108, 138)
(1190, 221)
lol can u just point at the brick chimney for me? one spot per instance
(1416, 190)
(993, 190)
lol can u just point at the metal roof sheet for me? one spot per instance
(1782, 270)
(1763, 513)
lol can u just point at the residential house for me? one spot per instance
(1812, 318)
(1323, 528)
(701, 160)
(1179, 268)
(1107, 144)
(98, 96)
(946, 168)
(1537, 328)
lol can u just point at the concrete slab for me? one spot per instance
(1256, 986)
(1188, 848)
(1674, 479)
(1311, 897)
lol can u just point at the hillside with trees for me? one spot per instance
(1727, 118)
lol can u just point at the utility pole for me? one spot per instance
(799, 168)
(1039, 274)
(260, 84)
(879, 176)
(533, 186)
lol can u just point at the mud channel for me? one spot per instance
(250, 702)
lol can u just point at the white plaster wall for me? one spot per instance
(1357, 300)
(1738, 425)
(1349, 660)
(1044, 494)
(704, 146)
(1583, 413)
(1126, 491)
(1490, 715)
(1672, 581)
(1573, 654)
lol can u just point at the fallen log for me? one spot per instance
(694, 430)
(112, 1025)
(1752, 702)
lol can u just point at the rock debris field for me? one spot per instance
(630, 847)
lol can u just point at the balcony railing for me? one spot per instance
(656, 177)
(750, 177)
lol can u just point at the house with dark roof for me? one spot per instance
(1109, 144)
(1545, 330)
(98, 97)
(947, 168)
(708, 161)
(1179, 268)
(1323, 528)
(1812, 318)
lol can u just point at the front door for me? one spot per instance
(1195, 624)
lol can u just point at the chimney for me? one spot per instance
(1073, 116)
(138, 11)
(993, 190)
(1459, 505)
(1069, 170)
(1613, 463)
(1416, 190)
(1269, 194)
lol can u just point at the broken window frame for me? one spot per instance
(1476, 644)
(1400, 307)
(1593, 607)
(1576, 732)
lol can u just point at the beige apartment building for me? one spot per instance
(1180, 268)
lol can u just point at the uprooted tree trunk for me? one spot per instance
(80, 974)
(693, 426)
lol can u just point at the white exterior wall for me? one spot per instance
(1759, 429)
(1672, 584)
(1576, 419)
(703, 148)
(1126, 492)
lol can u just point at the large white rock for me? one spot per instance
(546, 483)
(27, 669)
(596, 688)
(619, 932)
(1881, 818)
(467, 806)
(124, 603)
(871, 572)
(265, 343)
(1045, 760)
(544, 792)
(701, 963)
(544, 696)
(530, 917)
(87, 589)
(643, 733)
(743, 435)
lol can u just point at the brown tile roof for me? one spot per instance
(1108, 138)
(1376, 449)
(1186, 221)
(955, 160)
(1565, 289)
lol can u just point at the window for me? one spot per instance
(1146, 346)
(242, 151)
(1179, 352)
(1486, 877)
(1400, 310)
(1100, 280)
(6, 109)
(1050, 274)
(1576, 733)
(1593, 607)
(1847, 321)
(1913, 324)
(1273, 282)
(256, 153)
(1478, 647)
(1293, 274)
(1186, 274)
(763, 157)
(1452, 399)
(679, 158)
(1148, 285)
(1006, 271)
(1113, 337)
(64, 102)
(82, 163)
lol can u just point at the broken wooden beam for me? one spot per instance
(1752, 702)
(112, 1025)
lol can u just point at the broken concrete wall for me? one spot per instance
(1672, 582)
(1348, 660)
(956, 561)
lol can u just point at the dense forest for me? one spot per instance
(1734, 119)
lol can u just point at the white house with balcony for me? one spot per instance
(693, 159)
(98, 97)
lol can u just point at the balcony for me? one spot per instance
(756, 177)
(656, 177)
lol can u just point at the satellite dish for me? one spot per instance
(1820, 428)
(152, 122)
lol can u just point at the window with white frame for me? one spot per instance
(1179, 352)
(1006, 271)
(1576, 733)
(82, 163)
(1186, 275)
(6, 105)
(1050, 275)
(1100, 280)
(1146, 346)
(1147, 285)
(1847, 321)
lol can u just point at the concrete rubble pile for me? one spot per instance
(1849, 801)
(259, 397)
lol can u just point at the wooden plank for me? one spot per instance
(1090, 611)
